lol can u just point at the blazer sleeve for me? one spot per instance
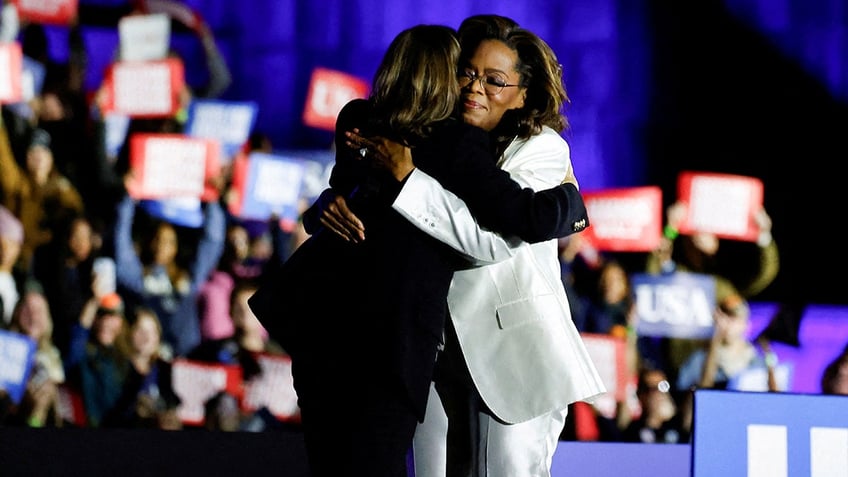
(539, 163)
(439, 213)
(499, 203)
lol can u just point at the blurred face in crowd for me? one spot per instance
(239, 240)
(706, 243)
(493, 60)
(145, 335)
(732, 319)
(52, 108)
(613, 283)
(840, 382)
(39, 161)
(164, 244)
(34, 316)
(81, 240)
(653, 392)
(108, 327)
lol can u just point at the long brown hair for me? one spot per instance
(415, 86)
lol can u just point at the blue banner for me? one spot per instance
(675, 305)
(17, 353)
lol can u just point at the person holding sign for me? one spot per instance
(698, 253)
(40, 404)
(479, 410)
(362, 322)
(37, 194)
(155, 278)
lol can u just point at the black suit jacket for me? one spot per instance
(379, 307)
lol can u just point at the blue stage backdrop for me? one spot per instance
(752, 87)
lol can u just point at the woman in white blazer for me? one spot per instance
(513, 359)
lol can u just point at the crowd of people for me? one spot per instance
(111, 293)
(110, 290)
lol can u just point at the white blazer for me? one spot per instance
(511, 313)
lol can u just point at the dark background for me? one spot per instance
(752, 87)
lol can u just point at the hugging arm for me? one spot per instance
(541, 163)
(502, 205)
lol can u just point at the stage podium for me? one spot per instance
(769, 435)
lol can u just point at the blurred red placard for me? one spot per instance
(146, 89)
(609, 355)
(54, 12)
(273, 388)
(196, 382)
(624, 219)
(329, 91)
(173, 165)
(11, 71)
(721, 204)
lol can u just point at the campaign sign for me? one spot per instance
(721, 204)
(624, 220)
(755, 434)
(319, 165)
(183, 211)
(266, 185)
(229, 122)
(674, 305)
(195, 382)
(329, 91)
(608, 354)
(17, 353)
(32, 80)
(54, 12)
(11, 72)
(273, 388)
(144, 37)
(168, 165)
(144, 89)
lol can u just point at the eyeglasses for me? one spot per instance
(492, 84)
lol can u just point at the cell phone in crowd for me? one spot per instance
(104, 271)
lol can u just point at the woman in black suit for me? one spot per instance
(363, 321)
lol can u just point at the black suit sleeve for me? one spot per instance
(501, 204)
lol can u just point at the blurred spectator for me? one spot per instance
(607, 310)
(65, 266)
(658, 420)
(699, 253)
(95, 366)
(222, 413)
(148, 399)
(248, 339)
(31, 317)
(38, 195)
(249, 248)
(729, 360)
(835, 376)
(11, 239)
(745, 269)
(151, 275)
(729, 353)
